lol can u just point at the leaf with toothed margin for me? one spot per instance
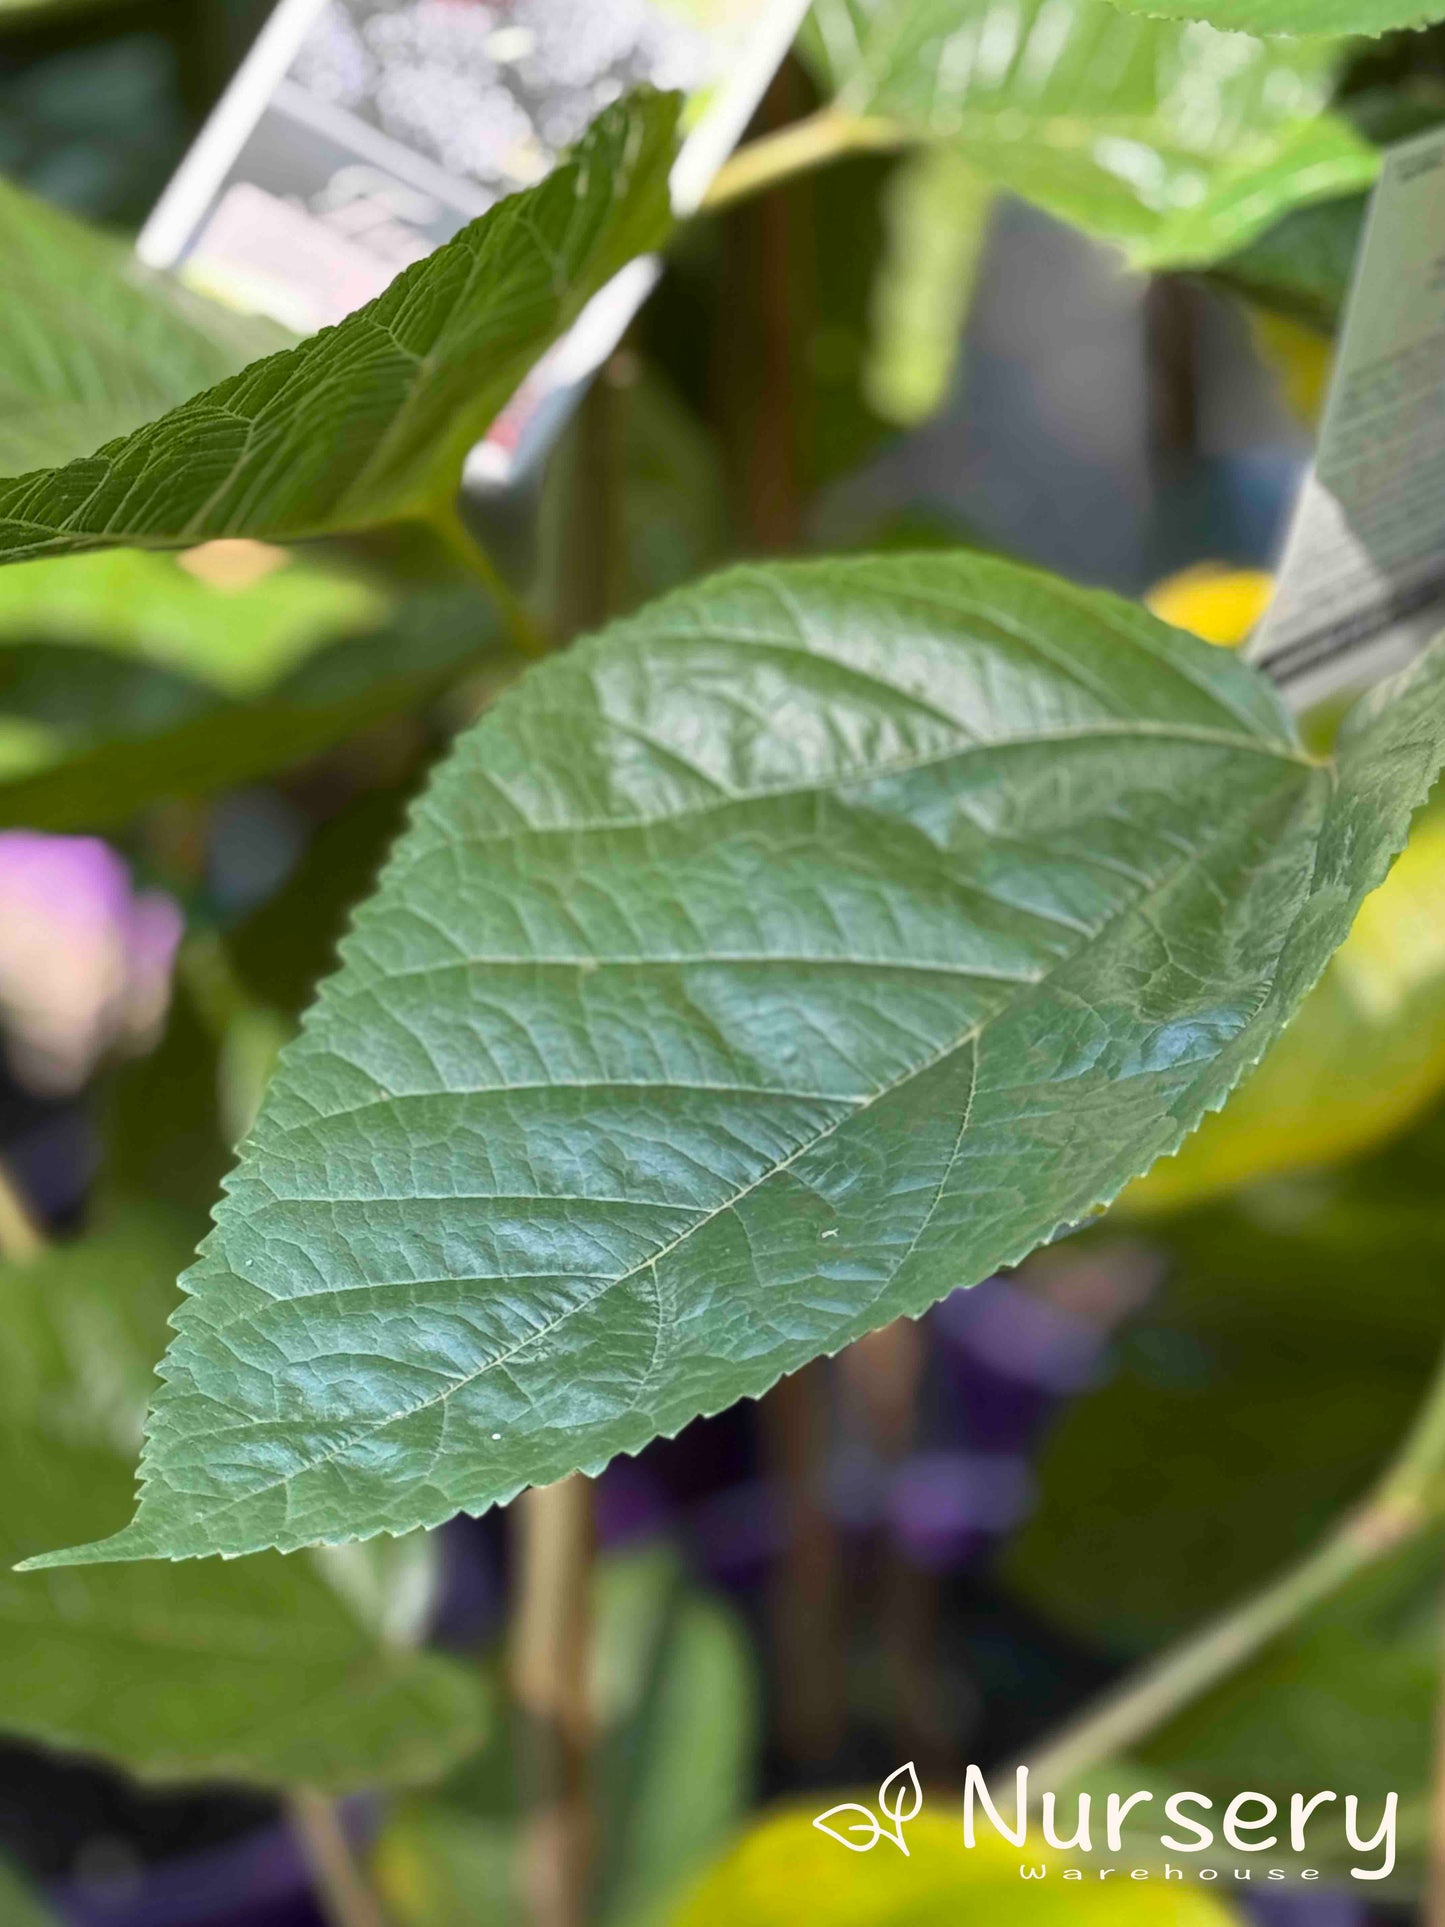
(815, 941)
(365, 423)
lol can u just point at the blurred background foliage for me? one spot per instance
(937, 1546)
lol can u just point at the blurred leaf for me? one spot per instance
(164, 735)
(19, 1906)
(1218, 604)
(942, 1883)
(158, 610)
(1301, 265)
(1261, 1393)
(672, 515)
(258, 1671)
(1175, 142)
(941, 898)
(674, 1699)
(284, 948)
(1310, 17)
(937, 209)
(678, 1704)
(1351, 1692)
(1301, 357)
(92, 345)
(437, 1865)
(365, 423)
(1364, 1056)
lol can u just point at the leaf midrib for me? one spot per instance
(969, 1036)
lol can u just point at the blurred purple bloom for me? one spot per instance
(85, 962)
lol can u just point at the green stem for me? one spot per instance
(346, 1899)
(797, 148)
(453, 531)
(1404, 1501)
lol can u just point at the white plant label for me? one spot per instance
(1361, 585)
(361, 134)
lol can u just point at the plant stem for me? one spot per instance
(802, 145)
(1405, 1500)
(550, 1691)
(21, 1239)
(447, 523)
(346, 1899)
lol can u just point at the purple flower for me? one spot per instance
(85, 961)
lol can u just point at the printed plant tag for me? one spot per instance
(1361, 585)
(361, 134)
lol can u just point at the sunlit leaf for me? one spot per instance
(1174, 141)
(814, 942)
(91, 344)
(943, 1883)
(261, 1671)
(19, 1906)
(365, 423)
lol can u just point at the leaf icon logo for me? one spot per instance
(900, 1799)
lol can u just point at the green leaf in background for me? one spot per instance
(937, 210)
(91, 344)
(1253, 1399)
(814, 942)
(1308, 17)
(19, 1907)
(107, 736)
(678, 1705)
(263, 1671)
(1301, 266)
(1350, 1692)
(370, 421)
(1364, 1057)
(1171, 140)
(675, 1703)
(240, 634)
(941, 1883)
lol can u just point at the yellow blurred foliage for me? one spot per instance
(784, 1871)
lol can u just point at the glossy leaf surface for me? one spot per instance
(369, 421)
(812, 943)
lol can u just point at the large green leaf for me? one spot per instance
(1176, 142)
(91, 345)
(261, 1671)
(814, 942)
(106, 735)
(369, 421)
